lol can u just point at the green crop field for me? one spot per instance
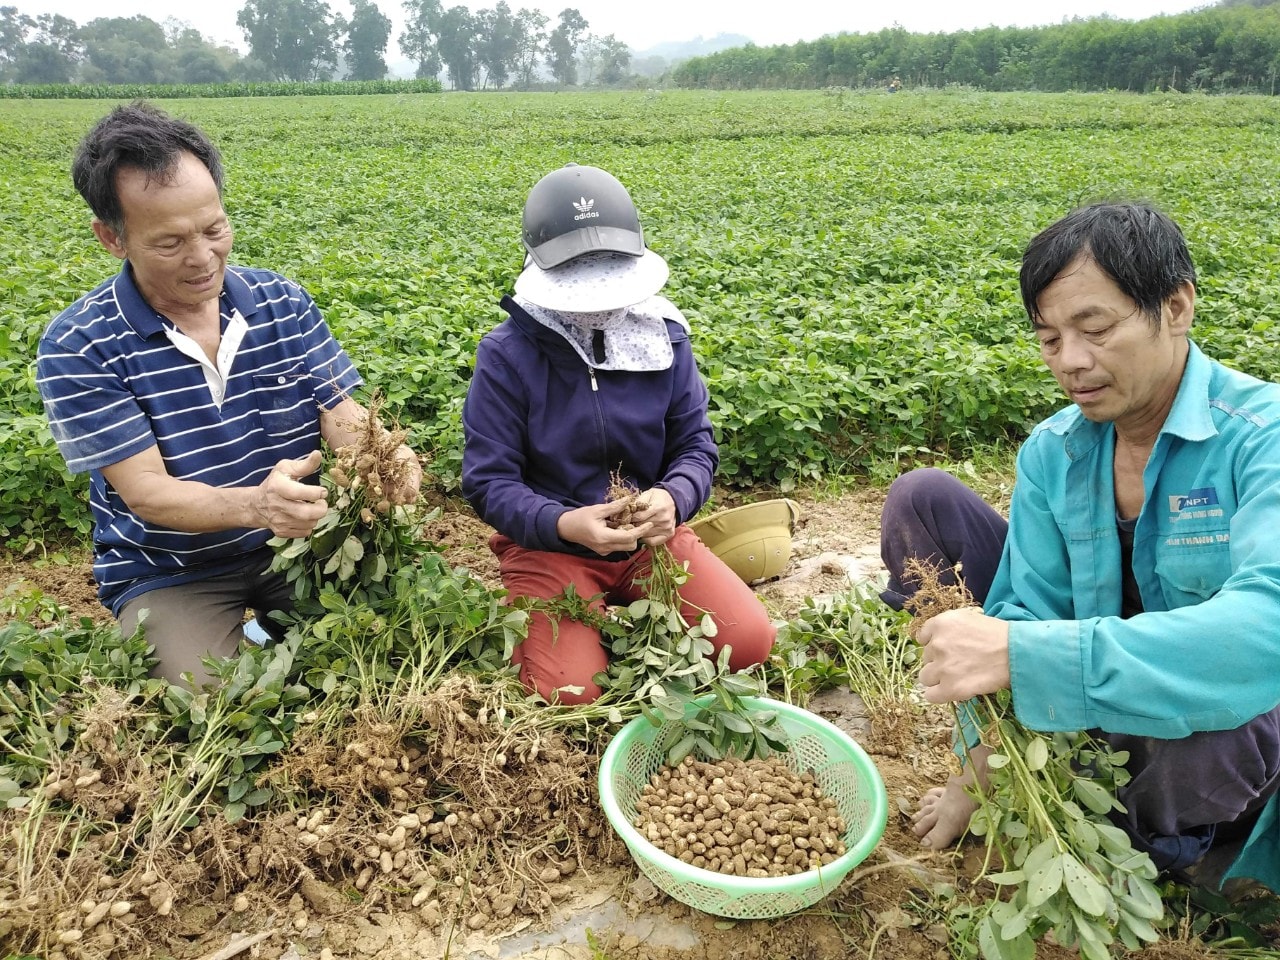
(848, 261)
(849, 266)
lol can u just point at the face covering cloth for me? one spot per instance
(631, 338)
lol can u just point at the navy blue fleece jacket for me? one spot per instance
(544, 431)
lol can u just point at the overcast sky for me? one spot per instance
(644, 23)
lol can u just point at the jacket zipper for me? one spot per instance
(595, 396)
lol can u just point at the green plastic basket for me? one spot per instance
(841, 768)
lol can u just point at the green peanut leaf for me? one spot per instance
(680, 749)
(1089, 895)
(1045, 880)
(1084, 835)
(255, 798)
(1143, 899)
(1137, 863)
(1037, 754)
(1016, 926)
(1002, 911)
(980, 823)
(1093, 950)
(1014, 829)
(1039, 856)
(1008, 878)
(1093, 795)
(996, 947)
(1113, 838)
(1139, 926)
(735, 723)
(1072, 810)
(739, 685)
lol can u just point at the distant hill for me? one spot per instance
(648, 63)
(656, 60)
(697, 47)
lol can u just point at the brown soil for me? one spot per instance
(886, 908)
(69, 584)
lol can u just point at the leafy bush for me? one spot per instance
(162, 91)
(40, 501)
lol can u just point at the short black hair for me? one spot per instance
(136, 136)
(1136, 245)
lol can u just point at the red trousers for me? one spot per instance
(570, 653)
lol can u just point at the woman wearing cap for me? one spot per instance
(592, 373)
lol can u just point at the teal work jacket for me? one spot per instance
(1205, 654)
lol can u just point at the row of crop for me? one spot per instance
(170, 91)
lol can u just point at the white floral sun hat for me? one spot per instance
(600, 281)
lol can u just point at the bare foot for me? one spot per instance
(944, 814)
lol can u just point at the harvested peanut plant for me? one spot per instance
(853, 639)
(362, 530)
(1062, 866)
(664, 666)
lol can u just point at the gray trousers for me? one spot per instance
(206, 618)
(1183, 793)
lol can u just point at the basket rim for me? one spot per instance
(878, 818)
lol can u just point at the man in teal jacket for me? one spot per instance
(1137, 592)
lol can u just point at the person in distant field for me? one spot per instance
(1135, 590)
(194, 393)
(593, 374)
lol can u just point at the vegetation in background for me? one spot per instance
(216, 91)
(1233, 46)
(304, 41)
(1227, 47)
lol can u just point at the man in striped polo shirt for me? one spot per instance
(194, 393)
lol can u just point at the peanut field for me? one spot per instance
(378, 785)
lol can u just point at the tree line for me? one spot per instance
(496, 47)
(1232, 47)
(305, 41)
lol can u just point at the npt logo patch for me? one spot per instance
(1194, 500)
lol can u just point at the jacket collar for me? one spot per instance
(1190, 417)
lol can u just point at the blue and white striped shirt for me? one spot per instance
(114, 384)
